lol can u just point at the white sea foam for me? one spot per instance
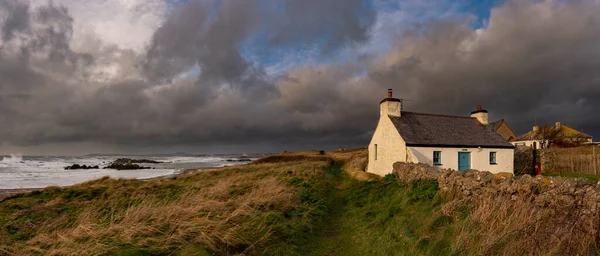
(36, 172)
(13, 159)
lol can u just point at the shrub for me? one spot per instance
(295, 180)
(389, 178)
(423, 189)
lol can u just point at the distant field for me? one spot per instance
(575, 175)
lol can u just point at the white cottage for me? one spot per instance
(454, 142)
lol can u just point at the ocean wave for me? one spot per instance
(14, 158)
(36, 172)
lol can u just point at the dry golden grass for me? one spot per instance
(502, 226)
(227, 211)
(272, 207)
(301, 153)
(356, 161)
(525, 224)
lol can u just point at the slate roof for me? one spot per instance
(496, 124)
(531, 135)
(565, 132)
(431, 130)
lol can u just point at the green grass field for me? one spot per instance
(591, 177)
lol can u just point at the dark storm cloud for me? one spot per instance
(300, 22)
(210, 34)
(230, 101)
(534, 61)
(16, 20)
(35, 63)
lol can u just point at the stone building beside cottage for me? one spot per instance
(502, 128)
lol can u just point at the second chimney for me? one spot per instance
(481, 115)
(390, 106)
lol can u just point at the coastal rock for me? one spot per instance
(81, 167)
(134, 161)
(239, 159)
(129, 164)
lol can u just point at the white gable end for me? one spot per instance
(386, 148)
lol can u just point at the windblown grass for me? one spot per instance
(356, 163)
(591, 177)
(255, 209)
(290, 204)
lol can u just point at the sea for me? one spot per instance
(19, 172)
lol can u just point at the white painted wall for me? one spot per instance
(479, 158)
(391, 148)
(528, 143)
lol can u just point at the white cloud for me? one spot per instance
(128, 24)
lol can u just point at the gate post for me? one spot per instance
(534, 163)
(594, 155)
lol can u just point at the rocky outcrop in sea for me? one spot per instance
(81, 167)
(130, 164)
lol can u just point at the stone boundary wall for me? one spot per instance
(473, 185)
(516, 215)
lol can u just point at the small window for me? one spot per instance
(437, 157)
(492, 157)
(375, 151)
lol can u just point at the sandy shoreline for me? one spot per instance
(8, 192)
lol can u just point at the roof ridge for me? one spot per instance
(578, 131)
(443, 115)
(438, 129)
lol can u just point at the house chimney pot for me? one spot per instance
(390, 106)
(557, 125)
(536, 128)
(481, 115)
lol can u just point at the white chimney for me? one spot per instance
(481, 115)
(557, 125)
(390, 106)
(536, 128)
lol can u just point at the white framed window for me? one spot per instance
(492, 157)
(437, 157)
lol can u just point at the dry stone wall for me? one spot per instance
(475, 185)
(531, 215)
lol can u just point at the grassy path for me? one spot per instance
(378, 218)
(330, 239)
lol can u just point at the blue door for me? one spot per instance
(464, 161)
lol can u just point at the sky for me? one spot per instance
(220, 76)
